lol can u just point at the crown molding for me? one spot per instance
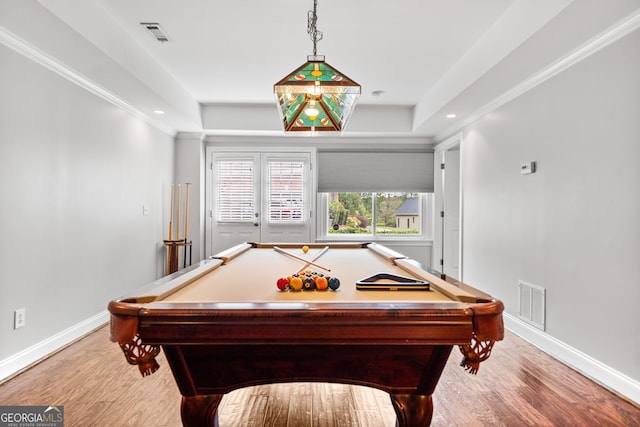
(26, 49)
(622, 28)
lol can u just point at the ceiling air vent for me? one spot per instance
(156, 31)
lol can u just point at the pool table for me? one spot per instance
(223, 325)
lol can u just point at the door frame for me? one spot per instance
(209, 152)
(454, 142)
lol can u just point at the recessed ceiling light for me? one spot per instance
(451, 116)
(159, 112)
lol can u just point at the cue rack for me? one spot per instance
(174, 244)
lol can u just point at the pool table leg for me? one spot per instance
(412, 410)
(200, 410)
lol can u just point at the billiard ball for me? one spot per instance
(305, 249)
(308, 284)
(333, 283)
(321, 283)
(282, 283)
(295, 283)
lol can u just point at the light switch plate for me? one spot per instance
(528, 168)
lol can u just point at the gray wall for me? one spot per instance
(75, 172)
(574, 226)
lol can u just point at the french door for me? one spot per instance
(258, 197)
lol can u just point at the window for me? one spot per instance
(285, 191)
(375, 194)
(236, 197)
(394, 214)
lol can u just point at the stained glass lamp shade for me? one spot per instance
(316, 98)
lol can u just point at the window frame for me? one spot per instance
(426, 218)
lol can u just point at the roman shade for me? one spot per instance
(340, 171)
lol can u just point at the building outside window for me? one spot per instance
(408, 215)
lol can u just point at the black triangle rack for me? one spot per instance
(391, 282)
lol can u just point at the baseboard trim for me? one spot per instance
(13, 365)
(618, 383)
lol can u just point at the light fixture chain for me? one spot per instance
(312, 29)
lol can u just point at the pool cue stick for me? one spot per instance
(178, 219)
(282, 251)
(171, 215)
(186, 211)
(186, 222)
(307, 264)
(170, 237)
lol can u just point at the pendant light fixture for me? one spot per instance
(315, 97)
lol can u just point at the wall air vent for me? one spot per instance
(156, 31)
(531, 304)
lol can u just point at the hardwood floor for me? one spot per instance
(517, 386)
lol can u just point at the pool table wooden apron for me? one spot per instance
(224, 325)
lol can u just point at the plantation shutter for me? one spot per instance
(285, 191)
(236, 198)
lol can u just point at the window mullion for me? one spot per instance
(374, 218)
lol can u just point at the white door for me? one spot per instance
(258, 197)
(451, 220)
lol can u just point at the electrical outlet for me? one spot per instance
(19, 318)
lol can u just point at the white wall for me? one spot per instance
(75, 172)
(573, 227)
(190, 168)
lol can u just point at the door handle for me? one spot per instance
(255, 224)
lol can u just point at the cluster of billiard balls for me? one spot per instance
(308, 281)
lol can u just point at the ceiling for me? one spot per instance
(427, 58)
